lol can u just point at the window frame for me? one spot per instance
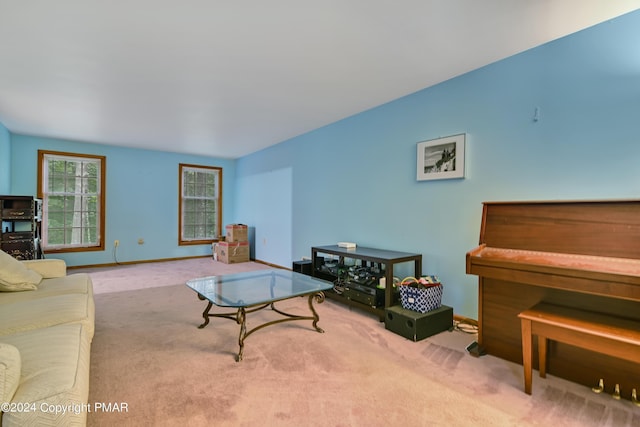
(101, 200)
(210, 169)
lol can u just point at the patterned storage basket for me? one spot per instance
(420, 299)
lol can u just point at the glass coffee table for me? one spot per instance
(252, 291)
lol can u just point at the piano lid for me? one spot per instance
(583, 246)
(598, 228)
(587, 266)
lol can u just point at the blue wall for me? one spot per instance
(355, 179)
(141, 197)
(5, 160)
(270, 191)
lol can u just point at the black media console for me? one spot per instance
(356, 274)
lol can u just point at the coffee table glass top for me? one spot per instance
(256, 287)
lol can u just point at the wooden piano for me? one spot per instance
(580, 254)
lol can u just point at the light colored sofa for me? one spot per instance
(46, 328)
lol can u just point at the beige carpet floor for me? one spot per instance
(149, 354)
(129, 277)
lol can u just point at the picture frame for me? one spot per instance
(441, 158)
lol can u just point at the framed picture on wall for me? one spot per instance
(441, 158)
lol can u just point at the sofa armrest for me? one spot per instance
(47, 268)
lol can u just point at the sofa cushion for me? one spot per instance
(79, 283)
(47, 268)
(15, 276)
(55, 371)
(42, 312)
(9, 371)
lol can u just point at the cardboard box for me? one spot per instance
(236, 233)
(232, 252)
(417, 326)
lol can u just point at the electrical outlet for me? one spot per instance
(116, 243)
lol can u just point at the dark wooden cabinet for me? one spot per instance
(21, 226)
(338, 264)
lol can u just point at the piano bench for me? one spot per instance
(602, 333)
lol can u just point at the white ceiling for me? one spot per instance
(226, 78)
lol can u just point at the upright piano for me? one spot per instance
(580, 254)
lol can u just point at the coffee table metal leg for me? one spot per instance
(242, 320)
(319, 297)
(205, 315)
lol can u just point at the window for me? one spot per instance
(200, 204)
(71, 187)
